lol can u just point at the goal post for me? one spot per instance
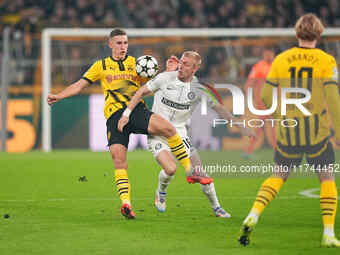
(49, 33)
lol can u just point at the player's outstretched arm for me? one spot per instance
(71, 90)
(124, 119)
(225, 114)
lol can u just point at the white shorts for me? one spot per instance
(157, 143)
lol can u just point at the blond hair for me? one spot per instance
(194, 55)
(309, 27)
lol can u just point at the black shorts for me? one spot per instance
(321, 154)
(138, 124)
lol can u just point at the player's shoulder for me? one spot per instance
(325, 56)
(284, 54)
(198, 87)
(281, 58)
(167, 75)
(99, 64)
(195, 84)
(130, 58)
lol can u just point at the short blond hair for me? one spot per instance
(309, 27)
(195, 55)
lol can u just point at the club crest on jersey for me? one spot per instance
(191, 95)
(130, 68)
(158, 146)
(109, 78)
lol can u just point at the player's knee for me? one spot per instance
(169, 131)
(326, 176)
(119, 163)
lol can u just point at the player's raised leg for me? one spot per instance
(121, 181)
(161, 127)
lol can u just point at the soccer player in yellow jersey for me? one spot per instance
(119, 81)
(306, 67)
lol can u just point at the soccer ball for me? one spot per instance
(146, 66)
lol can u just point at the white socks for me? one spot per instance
(163, 181)
(209, 191)
(329, 230)
(253, 215)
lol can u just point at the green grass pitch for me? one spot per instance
(52, 212)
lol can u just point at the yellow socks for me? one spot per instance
(123, 185)
(267, 193)
(328, 204)
(178, 150)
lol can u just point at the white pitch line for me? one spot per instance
(309, 193)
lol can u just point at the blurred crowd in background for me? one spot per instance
(28, 17)
(32, 15)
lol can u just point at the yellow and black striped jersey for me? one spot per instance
(118, 79)
(315, 70)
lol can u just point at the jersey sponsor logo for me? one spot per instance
(191, 95)
(170, 88)
(175, 105)
(125, 77)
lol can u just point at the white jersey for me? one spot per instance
(175, 100)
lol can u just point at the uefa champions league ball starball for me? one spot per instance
(146, 66)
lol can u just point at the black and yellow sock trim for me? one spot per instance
(179, 151)
(328, 202)
(122, 185)
(267, 193)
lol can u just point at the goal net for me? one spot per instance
(228, 55)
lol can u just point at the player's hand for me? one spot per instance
(172, 63)
(51, 99)
(122, 122)
(248, 132)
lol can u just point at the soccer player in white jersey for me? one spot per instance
(176, 93)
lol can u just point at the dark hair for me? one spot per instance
(117, 31)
